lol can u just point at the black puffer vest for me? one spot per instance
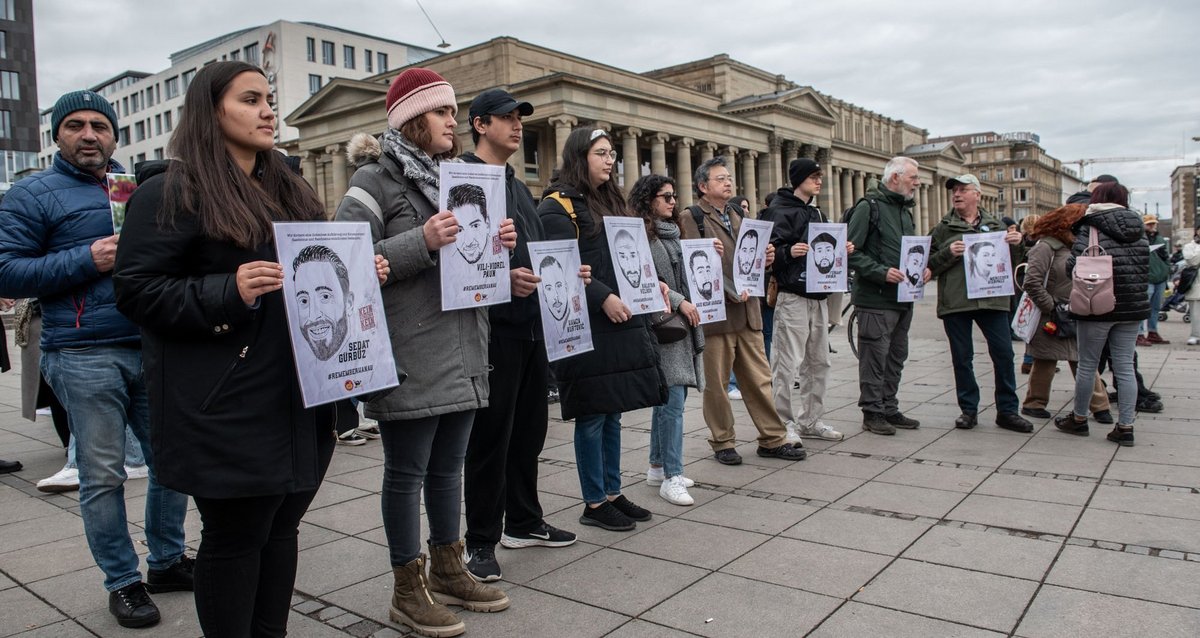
(1123, 237)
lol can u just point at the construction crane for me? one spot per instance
(1081, 163)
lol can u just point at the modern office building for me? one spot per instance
(298, 57)
(18, 91)
(1029, 179)
(1185, 197)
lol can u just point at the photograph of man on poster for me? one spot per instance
(469, 205)
(824, 252)
(556, 291)
(323, 299)
(702, 274)
(747, 251)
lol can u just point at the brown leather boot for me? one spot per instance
(1153, 337)
(413, 605)
(452, 585)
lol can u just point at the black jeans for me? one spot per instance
(422, 453)
(246, 565)
(501, 470)
(994, 324)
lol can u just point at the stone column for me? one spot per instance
(658, 153)
(629, 156)
(517, 161)
(792, 151)
(846, 188)
(707, 150)
(562, 128)
(607, 127)
(833, 181)
(308, 167)
(860, 184)
(778, 170)
(341, 181)
(749, 179)
(683, 171)
(730, 155)
(826, 196)
(808, 150)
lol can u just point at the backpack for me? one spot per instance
(1092, 291)
(873, 225)
(568, 206)
(698, 217)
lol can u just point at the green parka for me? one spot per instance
(949, 270)
(875, 251)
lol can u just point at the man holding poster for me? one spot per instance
(966, 255)
(474, 267)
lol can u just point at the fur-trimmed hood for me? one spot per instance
(363, 148)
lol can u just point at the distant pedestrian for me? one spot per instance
(1191, 256)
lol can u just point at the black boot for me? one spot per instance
(132, 607)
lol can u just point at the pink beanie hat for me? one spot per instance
(415, 92)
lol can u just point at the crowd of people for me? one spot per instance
(176, 332)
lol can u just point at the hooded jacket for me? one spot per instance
(739, 315)
(1122, 235)
(877, 250)
(792, 216)
(949, 270)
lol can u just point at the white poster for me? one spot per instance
(565, 322)
(475, 267)
(637, 281)
(827, 261)
(914, 258)
(334, 309)
(750, 257)
(989, 268)
(702, 266)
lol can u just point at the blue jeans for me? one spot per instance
(103, 390)
(1121, 338)
(598, 455)
(1156, 292)
(994, 324)
(666, 432)
(133, 450)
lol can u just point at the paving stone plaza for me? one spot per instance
(932, 532)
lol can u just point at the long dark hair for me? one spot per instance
(641, 200)
(1111, 193)
(603, 200)
(207, 183)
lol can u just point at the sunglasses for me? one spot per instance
(668, 197)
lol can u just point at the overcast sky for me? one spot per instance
(1096, 79)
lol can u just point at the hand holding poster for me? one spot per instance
(335, 313)
(989, 268)
(914, 258)
(827, 261)
(474, 268)
(565, 322)
(750, 257)
(120, 189)
(702, 267)
(637, 281)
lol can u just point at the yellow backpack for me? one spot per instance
(568, 206)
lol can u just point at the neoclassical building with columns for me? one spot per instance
(664, 121)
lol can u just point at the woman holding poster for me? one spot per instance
(425, 423)
(622, 373)
(653, 197)
(196, 270)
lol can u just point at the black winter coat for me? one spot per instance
(1123, 237)
(226, 414)
(622, 372)
(792, 217)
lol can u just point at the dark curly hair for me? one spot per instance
(641, 200)
(1057, 223)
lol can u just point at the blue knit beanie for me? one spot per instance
(80, 101)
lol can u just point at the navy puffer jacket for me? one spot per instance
(1123, 237)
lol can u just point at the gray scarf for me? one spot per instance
(417, 164)
(668, 234)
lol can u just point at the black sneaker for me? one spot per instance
(1037, 413)
(1071, 425)
(901, 421)
(606, 516)
(875, 423)
(1121, 435)
(1149, 405)
(787, 452)
(728, 456)
(177, 577)
(1103, 416)
(966, 421)
(544, 536)
(1013, 421)
(481, 563)
(132, 607)
(627, 508)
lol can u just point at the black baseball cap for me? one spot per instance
(497, 102)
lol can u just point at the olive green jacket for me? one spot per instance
(875, 251)
(949, 270)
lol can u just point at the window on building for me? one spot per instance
(4, 45)
(158, 153)
(8, 10)
(6, 125)
(158, 124)
(529, 145)
(314, 83)
(123, 137)
(1020, 173)
(141, 157)
(124, 106)
(187, 78)
(135, 102)
(999, 174)
(348, 56)
(368, 60)
(326, 52)
(139, 131)
(235, 55)
(149, 97)
(167, 121)
(983, 176)
(251, 51)
(10, 85)
(381, 58)
(1022, 195)
(172, 86)
(310, 49)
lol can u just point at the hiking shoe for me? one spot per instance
(177, 577)
(966, 421)
(793, 435)
(606, 516)
(675, 492)
(545, 535)
(1013, 421)
(132, 606)
(1037, 413)
(1121, 435)
(481, 563)
(787, 452)
(64, 480)
(875, 423)
(1071, 425)
(655, 477)
(821, 431)
(135, 472)
(899, 420)
(1103, 416)
(1149, 405)
(728, 456)
(351, 437)
(630, 510)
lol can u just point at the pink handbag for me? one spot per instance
(1092, 282)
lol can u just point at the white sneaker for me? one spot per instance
(675, 492)
(139, 472)
(792, 435)
(735, 395)
(43, 412)
(351, 437)
(1193, 341)
(819, 430)
(66, 480)
(369, 429)
(655, 477)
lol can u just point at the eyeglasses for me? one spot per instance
(722, 178)
(612, 155)
(667, 197)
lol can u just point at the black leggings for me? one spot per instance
(246, 565)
